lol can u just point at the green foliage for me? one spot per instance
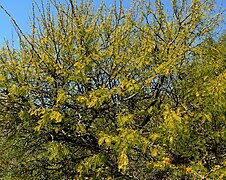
(111, 93)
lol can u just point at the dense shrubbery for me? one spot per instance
(110, 93)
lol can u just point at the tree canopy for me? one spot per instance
(115, 93)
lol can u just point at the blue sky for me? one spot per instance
(21, 10)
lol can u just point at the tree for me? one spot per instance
(111, 93)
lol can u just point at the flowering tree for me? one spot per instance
(115, 93)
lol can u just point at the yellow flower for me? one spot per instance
(188, 170)
(167, 160)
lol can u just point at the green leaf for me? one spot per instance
(56, 116)
(122, 161)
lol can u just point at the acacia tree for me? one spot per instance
(111, 93)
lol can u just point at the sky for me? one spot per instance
(21, 10)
